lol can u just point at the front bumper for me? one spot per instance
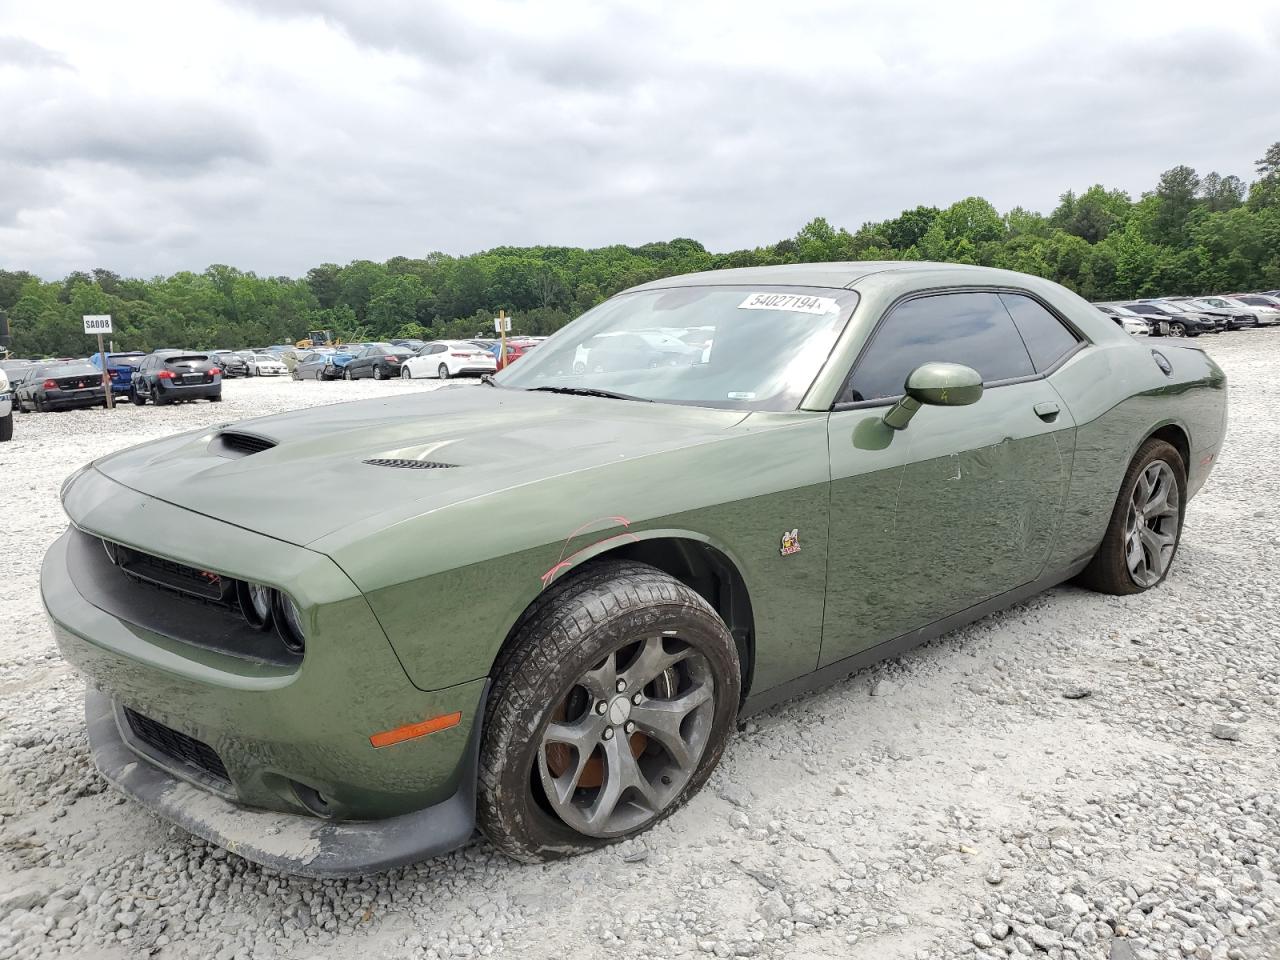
(292, 843)
(283, 735)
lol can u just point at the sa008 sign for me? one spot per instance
(97, 323)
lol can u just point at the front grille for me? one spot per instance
(167, 573)
(407, 464)
(177, 746)
(241, 444)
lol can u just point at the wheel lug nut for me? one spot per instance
(637, 698)
(608, 733)
(622, 685)
(631, 727)
(601, 707)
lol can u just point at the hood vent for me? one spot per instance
(409, 464)
(240, 444)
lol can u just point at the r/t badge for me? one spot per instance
(790, 542)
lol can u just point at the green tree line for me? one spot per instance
(1191, 234)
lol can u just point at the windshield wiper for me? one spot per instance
(590, 392)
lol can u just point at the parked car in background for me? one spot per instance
(1176, 308)
(14, 369)
(515, 350)
(1125, 319)
(170, 375)
(1181, 324)
(313, 365)
(1266, 308)
(61, 386)
(448, 358)
(6, 407)
(1237, 316)
(121, 367)
(266, 365)
(234, 364)
(381, 361)
(413, 343)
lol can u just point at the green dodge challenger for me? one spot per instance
(541, 603)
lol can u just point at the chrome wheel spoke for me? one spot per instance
(1151, 527)
(662, 720)
(652, 660)
(601, 682)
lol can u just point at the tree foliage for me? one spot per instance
(1190, 234)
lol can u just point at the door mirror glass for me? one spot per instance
(935, 384)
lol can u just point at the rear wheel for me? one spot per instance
(443, 372)
(1146, 524)
(346, 373)
(137, 398)
(6, 427)
(378, 374)
(608, 711)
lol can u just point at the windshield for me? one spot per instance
(1168, 306)
(741, 347)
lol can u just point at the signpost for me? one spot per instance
(100, 324)
(502, 326)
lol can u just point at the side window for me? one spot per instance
(974, 329)
(1046, 338)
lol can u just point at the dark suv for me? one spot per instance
(168, 375)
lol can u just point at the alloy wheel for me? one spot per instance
(627, 736)
(1177, 330)
(1151, 526)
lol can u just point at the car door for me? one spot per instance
(964, 503)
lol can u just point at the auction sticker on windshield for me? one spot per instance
(794, 302)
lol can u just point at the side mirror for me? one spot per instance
(938, 385)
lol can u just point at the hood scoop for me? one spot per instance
(235, 445)
(407, 464)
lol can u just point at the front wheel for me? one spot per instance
(137, 398)
(1177, 330)
(443, 372)
(609, 709)
(6, 427)
(346, 373)
(1146, 524)
(405, 374)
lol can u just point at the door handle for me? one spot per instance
(1046, 410)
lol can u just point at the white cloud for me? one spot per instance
(149, 136)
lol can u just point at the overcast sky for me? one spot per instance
(152, 137)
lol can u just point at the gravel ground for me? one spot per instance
(1079, 776)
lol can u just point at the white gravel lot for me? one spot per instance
(1053, 780)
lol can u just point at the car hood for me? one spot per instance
(314, 480)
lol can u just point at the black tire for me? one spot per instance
(1108, 571)
(6, 427)
(442, 372)
(1177, 329)
(217, 399)
(38, 404)
(378, 374)
(346, 374)
(161, 401)
(571, 628)
(406, 373)
(138, 399)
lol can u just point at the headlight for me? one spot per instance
(266, 608)
(255, 603)
(288, 621)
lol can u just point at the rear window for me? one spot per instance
(72, 370)
(1047, 339)
(187, 358)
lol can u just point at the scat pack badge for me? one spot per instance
(790, 543)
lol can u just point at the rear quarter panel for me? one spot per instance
(1119, 397)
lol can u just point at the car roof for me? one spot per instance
(837, 274)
